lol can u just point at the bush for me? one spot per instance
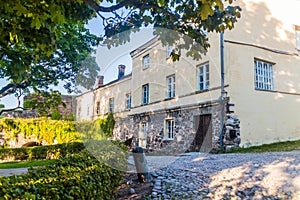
(56, 115)
(41, 152)
(42, 129)
(47, 130)
(78, 176)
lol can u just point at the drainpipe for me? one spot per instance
(223, 92)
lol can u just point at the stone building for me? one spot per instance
(173, 107)
(67, 110)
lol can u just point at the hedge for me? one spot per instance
(40, 128)
(41, 152)
(79, 176)
(61, 131)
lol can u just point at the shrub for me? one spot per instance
(41, 152)
(42, 129)
(78, 176)
(62, 131)
(72, 117)
(56, 115)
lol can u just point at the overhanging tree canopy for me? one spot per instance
(42, 42)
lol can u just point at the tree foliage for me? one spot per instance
(43, 42)
(87, 68)
(189, 20)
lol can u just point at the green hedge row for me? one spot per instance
(41, 152)
(78, 176)
(47, 130)
(40, 128)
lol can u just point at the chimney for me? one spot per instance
(99, 81)
(121, 71)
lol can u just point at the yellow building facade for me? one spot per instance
(175, 106)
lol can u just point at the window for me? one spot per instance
(146, 61)
(203, 77)
(145, 96)
(98, 107)
(111, 104)
(297, 28)
(128, 101)
(169, 130)
(263, 75)
(171, 86)
(169, 51)
(143, 134)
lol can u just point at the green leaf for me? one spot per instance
(35, 23)
(220, 4)
(206, 11)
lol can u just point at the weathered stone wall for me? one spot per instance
(17, 142)
(184, 132)
(232, 131)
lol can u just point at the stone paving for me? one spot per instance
(229, 176)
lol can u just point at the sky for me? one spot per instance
(107, 59)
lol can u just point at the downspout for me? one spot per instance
(223, 92)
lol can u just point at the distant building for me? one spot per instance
(175, 106)
(65, 110)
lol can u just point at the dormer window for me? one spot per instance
(146, 61)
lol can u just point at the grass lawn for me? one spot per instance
(274, 147)
(8, 165)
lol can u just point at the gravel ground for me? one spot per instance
(14, 171)
(229, 176)
(221, 176)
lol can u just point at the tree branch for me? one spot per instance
(6, 90)
(12, 88)
(134, 3)
(11, 109)
(99, 8)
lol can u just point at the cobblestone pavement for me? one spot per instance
(229, 176)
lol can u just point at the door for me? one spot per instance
(203, 136)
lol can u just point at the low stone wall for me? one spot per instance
(17, 142)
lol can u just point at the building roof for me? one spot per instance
(144, 46)
(116, 80)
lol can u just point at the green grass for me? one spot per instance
(274, 147)
(9, 165)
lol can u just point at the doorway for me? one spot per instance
(203, 137)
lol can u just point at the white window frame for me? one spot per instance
(171, 86)
(128, 101)
(263, 75)
(98, 108)
(143, 134)
(146, 61)
(297, 29)
(145, 94)
(169, 50)
(203, 76)
(169, 128)
(111, 105)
